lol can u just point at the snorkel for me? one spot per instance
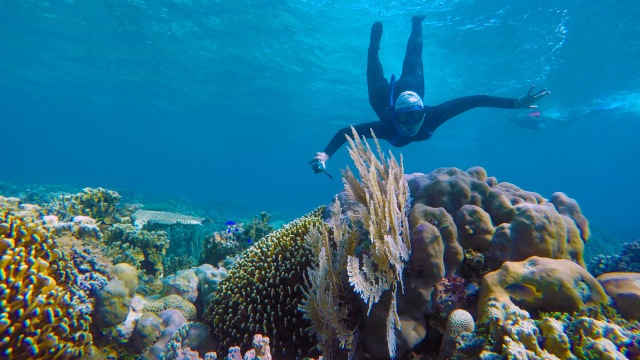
(410, 121)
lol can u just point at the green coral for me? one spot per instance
(262, 293)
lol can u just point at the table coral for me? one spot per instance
(262, 293)
(37, 291)
(142, 217)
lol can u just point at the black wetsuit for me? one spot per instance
(411, 79)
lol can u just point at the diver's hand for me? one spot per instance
(318, 163)
(526, 101)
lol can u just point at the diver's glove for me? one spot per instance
(526, 101)
(318, 163)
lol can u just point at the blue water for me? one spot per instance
(227, 101)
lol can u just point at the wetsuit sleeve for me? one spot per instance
(445, 111)
(363, 130)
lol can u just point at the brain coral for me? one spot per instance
(37, 288)
(176, 302)
(262, 294)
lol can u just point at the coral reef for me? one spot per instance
(37, 290)
(142, 217)
(459, 322)
(262, 293)
(540, 284)
(627, 261)
(624, 289)
(209, 279)
(175, 302)
(112, 305)
(595, 333)
(98, 204)
(153, 246)
(183, 283)
(235, 239)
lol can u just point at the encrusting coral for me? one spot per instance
(262, 293)
(37, 291)
(541, 284)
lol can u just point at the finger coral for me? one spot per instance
(37, 288)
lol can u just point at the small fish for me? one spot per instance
(228, 230)
(236, 229)
(206, 222)
(249, 241)
(523, 292)
(472, 288)
(230, 223)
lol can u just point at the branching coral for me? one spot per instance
(384, 197)
(99, 204)
(37, 292)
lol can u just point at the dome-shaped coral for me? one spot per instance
(262, 294)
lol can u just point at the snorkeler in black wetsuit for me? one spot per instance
(403, 117)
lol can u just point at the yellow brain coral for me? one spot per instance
(262, 293)
(37, 319)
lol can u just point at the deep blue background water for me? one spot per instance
(227, 101)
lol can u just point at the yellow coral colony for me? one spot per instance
(37, 319)
(383, 195)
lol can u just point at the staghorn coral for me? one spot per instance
(262, 293)
(176, 302)
(99, 204)
(325, 292)
(37, 291)
(384, 196)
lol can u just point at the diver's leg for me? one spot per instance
(412, 70)
(378, 86)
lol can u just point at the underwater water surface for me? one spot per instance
(227, 101)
